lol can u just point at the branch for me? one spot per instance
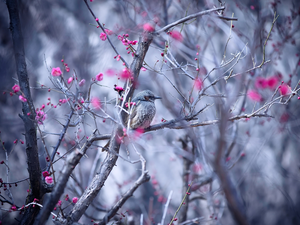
(60, 139)
(234, 202)
(28, 111)
(72, 161)
(142, 179)
(107, 36)
(264, 49)
(98, 181)
(184, 19)
(173, 124)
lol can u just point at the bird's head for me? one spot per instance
(145, 96)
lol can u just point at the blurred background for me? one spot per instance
(262, 153)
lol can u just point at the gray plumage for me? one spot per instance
(143, 111)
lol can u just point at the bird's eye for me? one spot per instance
(146, 98)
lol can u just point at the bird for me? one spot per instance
(142, 110)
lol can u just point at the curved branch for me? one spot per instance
(184, 19)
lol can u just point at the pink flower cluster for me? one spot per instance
(126, 41)
(40, 116)
(131, 103)
(263, 83)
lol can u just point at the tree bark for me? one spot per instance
(28, 115)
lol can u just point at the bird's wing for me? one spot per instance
(133, 113)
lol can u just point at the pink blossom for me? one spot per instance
(56, 72)
(13, 208)
(81, 83)
(284, 118)
(99, 77)
(254, 95)
(59, 203)
(138, 132)
(70, 80)
(261, 83)
(22, 99)
(40, 116)
(126, 73)
(197, 167)
(109, 32)
(118, 89)
(176, 35)
(202, 71)
(96, 103)
(49, 180)
(144, 14)
(16, 88)
(148, 27)
(45, 174)
(143, 69)
(97, 19)
(103, 36)
(284, 89)
(75, 199)
(42, 107)
(272, 82)
(110, 72)
(198, 84)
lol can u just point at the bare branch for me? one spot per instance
(187, 18)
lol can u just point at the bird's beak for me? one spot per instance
(157, 97)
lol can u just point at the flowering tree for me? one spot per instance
(209, 154)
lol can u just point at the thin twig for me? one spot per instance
(264, 49)
(102, 28)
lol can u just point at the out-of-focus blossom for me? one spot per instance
(56, 72)
(254, 95)
(16, 88)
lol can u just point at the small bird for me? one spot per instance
(143, 110)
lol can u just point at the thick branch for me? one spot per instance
(28, 116)
(73, 160)
(234, 202)
(98, 181)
